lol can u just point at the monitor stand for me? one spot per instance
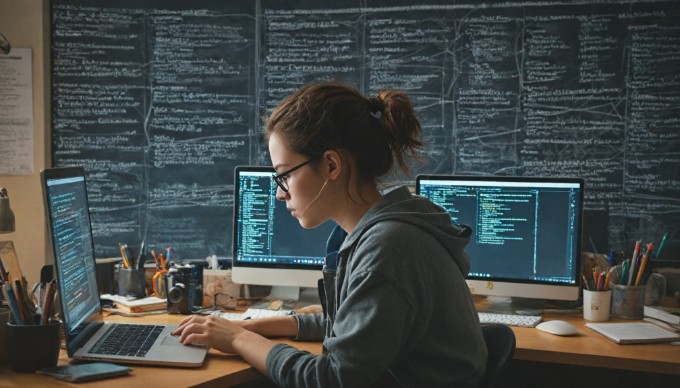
(292, 297)
(518, 306)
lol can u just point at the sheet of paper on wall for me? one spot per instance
(16, 112)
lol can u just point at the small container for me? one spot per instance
(4, 318)
(628, 301)
(131, 282)
(596, 305)
(32, 347)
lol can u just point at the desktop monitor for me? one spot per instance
(526, 233)
(269, 245)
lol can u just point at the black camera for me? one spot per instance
(184, 289)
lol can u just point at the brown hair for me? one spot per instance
(376, 131)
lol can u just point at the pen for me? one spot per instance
(585, 282)
(141, 258)
(633, 262)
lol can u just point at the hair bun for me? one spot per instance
(376, 106)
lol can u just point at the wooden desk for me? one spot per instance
(219, 369)
(594, 350)
(588, 349)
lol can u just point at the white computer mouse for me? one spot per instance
(557, 327)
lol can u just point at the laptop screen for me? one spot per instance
(69, 224)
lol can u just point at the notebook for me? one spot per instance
(633, 332)
(70, 231)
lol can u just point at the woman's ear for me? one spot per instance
(333, 164)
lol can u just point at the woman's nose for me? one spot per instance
(280, 194)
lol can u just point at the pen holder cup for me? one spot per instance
(596, 305)
(131, 282)
(32, 347)
(628, 301)
(4, 318)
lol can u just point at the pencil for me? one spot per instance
(643, 263)
(633, 263)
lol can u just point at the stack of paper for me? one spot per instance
(666, 317)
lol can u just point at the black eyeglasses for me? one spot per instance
(281, 179)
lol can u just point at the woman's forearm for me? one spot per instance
(272, 327)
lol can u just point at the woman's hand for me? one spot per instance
(210, 331)
(231, 337)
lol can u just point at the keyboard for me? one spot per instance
(510, 319)
(127, 340)
(252, 313)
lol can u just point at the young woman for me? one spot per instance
(398, 311)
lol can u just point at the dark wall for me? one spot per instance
(159, 100)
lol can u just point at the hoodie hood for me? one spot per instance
(400, 205)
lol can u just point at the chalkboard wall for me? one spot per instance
(159, 100)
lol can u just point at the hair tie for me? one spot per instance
(376, 107)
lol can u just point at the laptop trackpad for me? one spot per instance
(171, 341)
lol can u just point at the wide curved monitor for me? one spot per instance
(526, 231)
(269, 245)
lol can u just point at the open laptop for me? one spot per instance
(87, 335)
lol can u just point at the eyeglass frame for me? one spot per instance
(231, 302)
(278, 178)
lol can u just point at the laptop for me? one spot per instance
(87, 336)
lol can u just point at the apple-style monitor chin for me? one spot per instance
(270, 248)
(526, 233)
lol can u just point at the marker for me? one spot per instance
(663, 241)
(11, 299)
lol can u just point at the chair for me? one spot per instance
(500, 344)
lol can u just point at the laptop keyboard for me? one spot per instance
(127, 340)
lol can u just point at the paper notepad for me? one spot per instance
(633, 332)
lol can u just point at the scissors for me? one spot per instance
(158, 280)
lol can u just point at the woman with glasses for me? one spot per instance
(397, 309)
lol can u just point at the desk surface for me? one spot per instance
(586, 349)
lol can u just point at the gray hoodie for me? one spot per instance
(399, 311)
